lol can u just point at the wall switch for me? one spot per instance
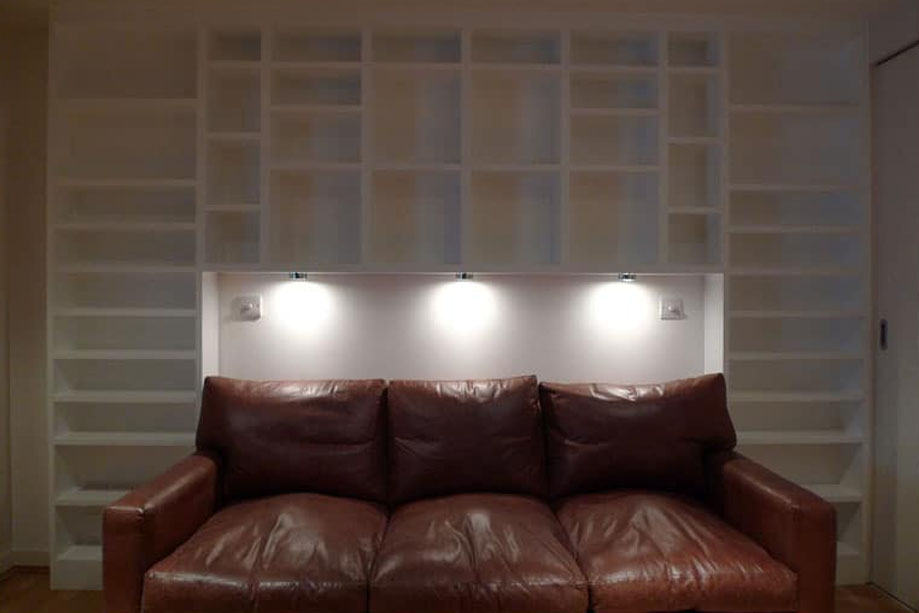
(248, 308)
(672, 308)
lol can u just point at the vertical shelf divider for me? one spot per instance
(368, 159)
(466, 160)
(564, 213)
(265, 217)
(663, 134)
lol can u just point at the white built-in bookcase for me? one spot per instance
(581, 147)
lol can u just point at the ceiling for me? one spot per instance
(31, 13)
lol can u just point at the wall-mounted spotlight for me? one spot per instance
(464, 276)
(627, 277)
(297, 276)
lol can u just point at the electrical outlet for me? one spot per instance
(672, 308)
(248, 308)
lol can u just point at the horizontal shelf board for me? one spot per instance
(800, 437)
(307, 66)
(128, 104)
(294, 166)
(233, 208)
(127, 183)
(234, 136)
(833, 492)
(615, 112)
(844, 550)
(695, 140)
(125, 354)
(792, 229)
(514, 67)
(613, 69)
(760, 396)
(417, 167)
(693, 210)
(794, 272)
(126, 226)
(418, 66)
(524, 167)
(310, 109)
(88, 498)
(699, 70)
(795, 314)
(126, 397)
(235, 65)
(125, 439)
(792, 187)
(793, 108)
(123, 268)
(625, 168)
(779, 356)
(106, 312)
(81, 553)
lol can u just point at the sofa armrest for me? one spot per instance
(796, 527)
(148, 523)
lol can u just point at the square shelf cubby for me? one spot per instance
(315, 137)
(318, 46)
(416, 116)
(515, 117)
(513, 220)
(695, 176)
(233, 173)
(614, 140)
(243, 45)
(626, 49)
(693, 49)
(694, 105)
(418, 47)
(415, 218)
(516, 47)
(234, 101)
(694, 239)
(231, 237)
(623, 92)
(315, 218)
(315, 87)
(612, 220)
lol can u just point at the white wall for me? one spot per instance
(25, 254)
(567, 328)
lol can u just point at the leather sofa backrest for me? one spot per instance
(449, 437)
(277, 437)
(605, 436)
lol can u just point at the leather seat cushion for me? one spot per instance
(296, 552)
(643, 551)
(476, 553)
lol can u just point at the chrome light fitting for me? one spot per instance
(464, 276)
(627, 277)
(297, 276)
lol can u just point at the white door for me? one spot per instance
(895, 559)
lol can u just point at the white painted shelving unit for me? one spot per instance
(548, 147)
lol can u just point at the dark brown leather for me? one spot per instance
(277, 437)
(794, 525)
(450, 437)
(149, 523)
(476, 553)
(307, 553)
(644, 551)
(604, 436)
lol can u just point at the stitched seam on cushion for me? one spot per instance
(490, 585)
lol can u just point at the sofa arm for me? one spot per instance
(148, 523)
(794, 525)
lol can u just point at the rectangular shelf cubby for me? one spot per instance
(799, 416)
(125, 290)
(596, 92)
(809, 376)
(515, 118)
(87, 375)
(234, 101)
(612, 220)
(796, 251)
(694, 239)
(626, 49)
(233, 172)
(315, 218)
(614, 141)
(418, 47)
(319, 46)
(141, 247)
(811, 464)
(806, 294)
(316, 87)
(415, 218)
(693, 49)
(796, 209)
(123, 333)
(315, 137)
(513, 219)
(231, 237)
(516, 47)
(129, 205)
(694, 176)
(843, 336)
(124, 417)
(695, 105)
(416, 116)
(240, 45)
(99, 63)
(140, 143)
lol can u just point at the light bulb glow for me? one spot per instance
(304, 307)
(463, 310)
(624, 310)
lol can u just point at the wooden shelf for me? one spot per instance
(757, 396)
(88, 498)
(125, 226)
(795, 314)
(82, 553)
(757, 356)
(127, 104)
(119, 397)
(125, 439)
(793, 229)
(799, 437)
(792, 187)
(794, 108)
(615, 112)
(124, 354)
(837, 493)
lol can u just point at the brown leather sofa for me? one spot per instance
(475, 496)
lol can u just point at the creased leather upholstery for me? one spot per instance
(604, 436)
(307, 553)
(643, 551)
(476, 553)
(794, 525)
(148, 523)
(449, 437)
(277, 437)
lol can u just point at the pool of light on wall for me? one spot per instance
(303, 307)
(463, 309)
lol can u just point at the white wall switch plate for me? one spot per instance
(248, 308)
(672, 308)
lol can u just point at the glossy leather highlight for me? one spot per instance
(476, 553)
(150, 522)
(643, 551)
(277, 437)
(307, 553)
(604, 436)
(794, 525)
(449, 437)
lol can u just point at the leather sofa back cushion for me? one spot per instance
(450, 437)
(278, 437)
(605, 436)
